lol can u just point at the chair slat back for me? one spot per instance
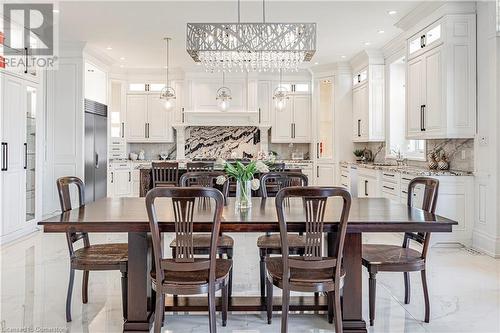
(165, 173)
(63, 189)
(314, 201)
(199, 166)
(281, 180)
(429, 201)
(205, 179)
(184, 210)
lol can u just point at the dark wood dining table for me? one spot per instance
(111, 215)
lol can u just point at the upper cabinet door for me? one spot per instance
(282, 124)
(302, 118)
(136, 117)
(356, 115)
(414, 97)
(159, 120)
(364, 112)
(433, 112)
(264, 102)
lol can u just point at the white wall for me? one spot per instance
(486, 235)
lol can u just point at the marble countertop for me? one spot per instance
(410, 170)
(146, 164)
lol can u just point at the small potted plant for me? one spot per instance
(245, 181)
(359, 153)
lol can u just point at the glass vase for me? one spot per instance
(243, 194)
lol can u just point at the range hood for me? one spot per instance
(221, 118)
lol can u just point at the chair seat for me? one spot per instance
(274, 241)
(274, 267)
(223, 267)
(101, 254)
(380, 254)
(201, 241)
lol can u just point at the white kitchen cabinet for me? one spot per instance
(368, 105)
(19, 175)
(325, 174)
(293, 123)
(265, 101)
(121, 182)
(368, 185)
(147, 119)
(441, 84)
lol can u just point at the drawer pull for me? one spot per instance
(389, 175)
(388, 187)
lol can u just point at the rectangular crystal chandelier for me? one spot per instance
(251, 46)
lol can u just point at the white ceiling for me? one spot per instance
(135, 30)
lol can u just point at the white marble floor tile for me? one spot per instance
(464, 287)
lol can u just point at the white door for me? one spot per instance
(414, 100)
(356, 114)
(264, 101)
(325, 174)
(122, 180)
(301, 118)
(364, 110)
(433, 114)
(136, 117)
(13, 138)
(159, 120)
(282, 127)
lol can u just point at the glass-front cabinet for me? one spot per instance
(324, 145)
(30, 151)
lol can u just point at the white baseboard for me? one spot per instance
(13, 236)
(485, 243)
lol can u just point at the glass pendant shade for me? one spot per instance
(280, 97)
(223, 98)
(167, 96)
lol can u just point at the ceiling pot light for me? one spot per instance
(280, 95)
(223, 96)
(392, 12)
(367, 43)
(109, 48)
(167, 94)
(381, 31)
(251, 46)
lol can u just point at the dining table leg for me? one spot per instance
(352, 309)
(139, 310)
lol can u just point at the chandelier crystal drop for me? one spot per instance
(167, 94)
(251, 46)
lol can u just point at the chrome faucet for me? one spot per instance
(400, 159)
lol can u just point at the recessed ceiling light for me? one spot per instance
(367, 43)
(343, 56)
(122, 58)
(392, 12)
(109, 48)
(381, 31)
(316, 63)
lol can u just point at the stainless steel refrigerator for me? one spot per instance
(96, 152)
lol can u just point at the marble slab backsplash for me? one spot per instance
(221, 141)
(452, 147)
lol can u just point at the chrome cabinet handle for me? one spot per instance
(366, 187)
(112, 176)
(317, 171)
(359, 127)
(317, 150)
(129, 176)
(96, 160)
(123, 130)
(388, 187)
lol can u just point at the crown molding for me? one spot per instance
(367, 57)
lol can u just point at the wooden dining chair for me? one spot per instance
(270, 243)
(165, 174)
(311, 272)
(393, 258)
(98, 257)
(184, 274)
(201, 242)
(199, 166)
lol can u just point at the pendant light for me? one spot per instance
(167, 94)
(223, 95)
(280, 95)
